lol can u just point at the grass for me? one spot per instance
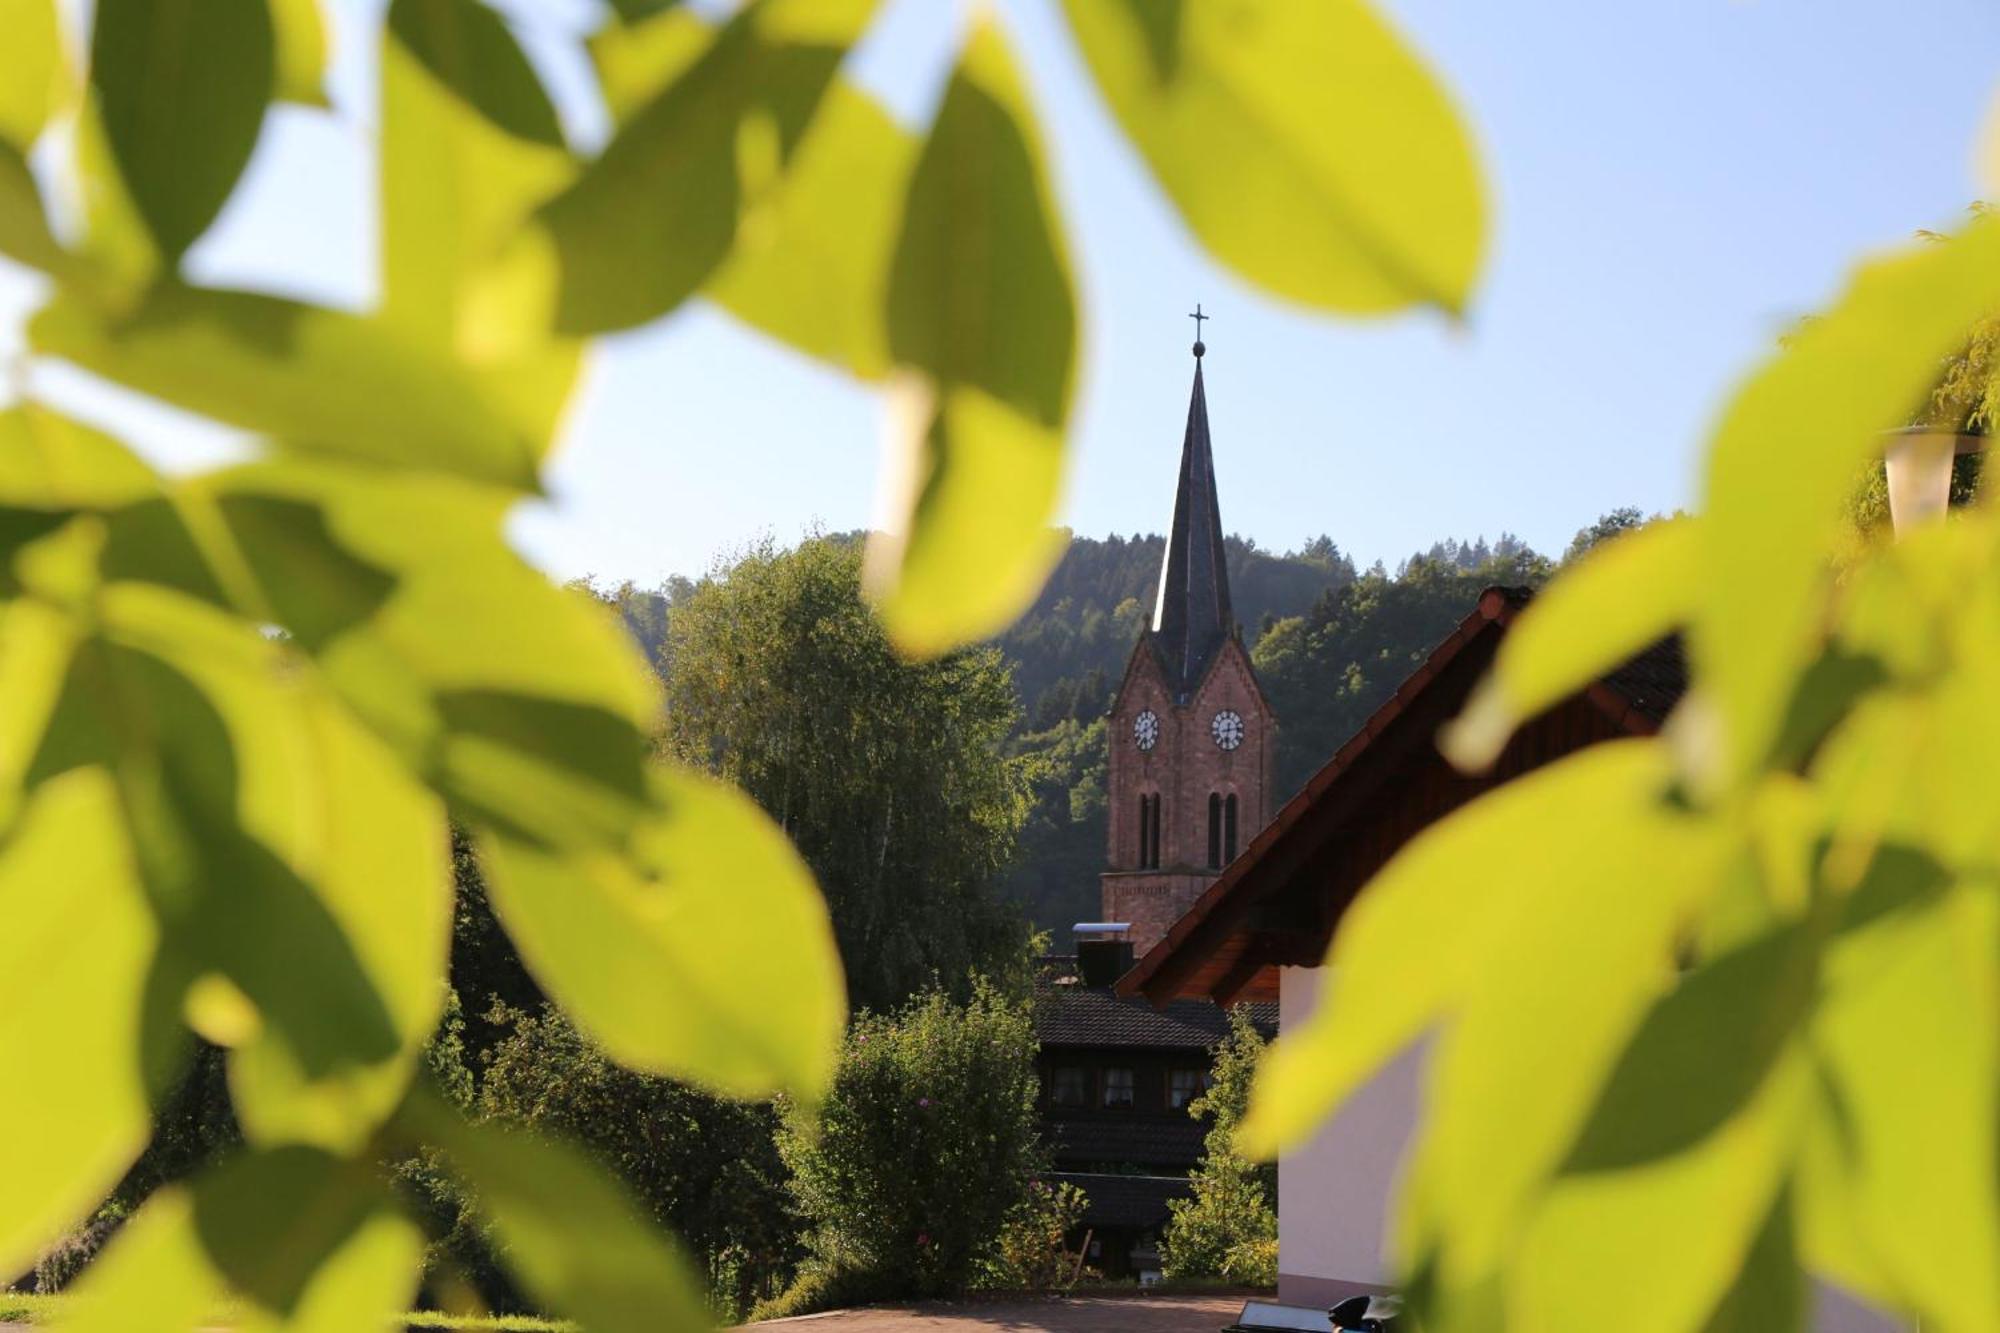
(21, 1308)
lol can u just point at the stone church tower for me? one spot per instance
(1191, 733)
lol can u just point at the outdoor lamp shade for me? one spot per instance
(1919, 468)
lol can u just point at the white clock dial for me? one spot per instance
(1227, 728)
(1146, 729)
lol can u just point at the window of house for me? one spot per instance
(1118, 1088)
(1215, 830)
(1229, 829)
(1183, 1086)
(1066, 1087)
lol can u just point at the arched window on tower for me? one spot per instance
(1215, 830)
(1149, 832)
(1229, 829)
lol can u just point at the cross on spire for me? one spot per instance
(1198, 317)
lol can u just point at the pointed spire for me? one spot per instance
(1191, 617)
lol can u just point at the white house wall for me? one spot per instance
(1336, 1194)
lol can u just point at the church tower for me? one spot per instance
(1191, 733)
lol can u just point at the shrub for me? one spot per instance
(925, 1148)
(1031, 1252)
(1229, 1228)
(706, 1166)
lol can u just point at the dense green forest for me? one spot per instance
(1330, 643)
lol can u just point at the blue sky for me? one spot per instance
(1673, 183)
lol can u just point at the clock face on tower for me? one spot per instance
(1146, 729)
(1227, 728)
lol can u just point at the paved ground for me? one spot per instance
(1081, 1314)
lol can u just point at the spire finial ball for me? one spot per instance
(1200, 347)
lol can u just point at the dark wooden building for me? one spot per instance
(1117, 1077)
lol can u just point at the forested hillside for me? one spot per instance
(1330, 644)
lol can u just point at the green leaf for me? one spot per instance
(260, 811)
(1416, 937)
(1624, 596)
(181, 87)
(291, 1239)
(36, 644)
(1569, 1022)
(1769, 1293)
(1692, 1136)
(571, 1235)
(24, 228)
(312, 1241)
(1908, 1040)
(299, 30)
(523, 703)
(53, 462)
(980, 303)
(34, 73)
(1595, 1243)
(635, 59)
(706, 954)
(650, 220)
(812, 267)
(1305, 145)
(153, 1275)
(77, 953)
(310, 378)
(632, 11)
(471, 146)
(1786, 455)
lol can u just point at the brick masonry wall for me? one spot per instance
(1183, 768)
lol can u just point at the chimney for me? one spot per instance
(1103, 951)
(1918, 462)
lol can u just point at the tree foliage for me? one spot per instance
(887, 774)
(926, 1150)
(1761, 1020)
(243, 707)
(1228, 1228)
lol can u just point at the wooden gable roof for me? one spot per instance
(1278, 903)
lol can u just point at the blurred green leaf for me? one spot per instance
(1769, 1293)
(313, 1241)
(980, 303)
(572, 1237)
(1785, 456)
(24, 228)
(77, 954)
(650, 219)
(1908, 1039)
(50, 461)
(34, 73)
(812, 267)
(299, 30)
(181, 86)
(707, 954)
(632, 11)
(1595, 1244)
(1624, 596)
(523, 703)
(471, 147)
(1305, 145)
(1413, 942)
(154, 1274)
(309, 378)
(635, 59)
(1568, 1023)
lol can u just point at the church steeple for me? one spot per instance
(1191, 616)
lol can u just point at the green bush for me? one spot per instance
(706, 1166)
(925, 1148)
(1031, 1252)
(1229, 1228)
